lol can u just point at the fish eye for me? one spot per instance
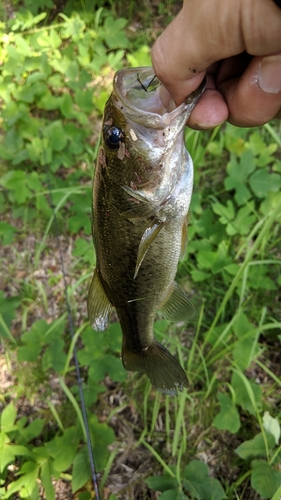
(113, 136)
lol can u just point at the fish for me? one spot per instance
(142, 190)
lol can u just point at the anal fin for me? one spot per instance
(177, 306)
(99, 307)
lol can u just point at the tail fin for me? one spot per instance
(159, 365)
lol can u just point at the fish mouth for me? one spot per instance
(138, 93)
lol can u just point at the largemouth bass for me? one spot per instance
(141, 194)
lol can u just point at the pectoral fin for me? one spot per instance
(99, 307)
(177, 306)
(147, 239)
(184, 238)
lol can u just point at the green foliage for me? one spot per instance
(219, 225)
(195, 483)
(228, 418)
(51, 79)
(265, 477)
(8, 306)
(101, 354)
(44, 337)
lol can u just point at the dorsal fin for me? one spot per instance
(99, 307)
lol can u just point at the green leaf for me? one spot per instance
(255, 448)
(48, 101)
(27, 482)
(34, 340)
(197, 275)
(244, 219)
(28, 352)
(244, 352)
(33, 430)
(7, 233)
(235, 139)
(161, 483)
(264, 479)
(226, 212)
(140, 57)
(258, 278)
(10, 451)
(271, 425)
(7, 454)
(174, 494)
(73, 27)
(238, 171)
(102, 436)
(8, 307)
(107, 365)
(29, 93)
(242, 325)
(57, 136)
(256, 143)
(16, 181)
(8, 417)
(91, 389)
(37, 76)
(84, 99)
(85, 249)
(266, 157)
(86, 495)
(215, 261)
(55, 40)
(46, 478)
(228, 417)
(216, 491)
(246, 347)
(199, 484)
(81, 469)
(36, 334)
(242, 396)
(262, 181)
(54, 357)
(63, 448)
(206, 259)
(100, 100)
(113, 334)
(113, 33)
(75, 224)
(232, 269)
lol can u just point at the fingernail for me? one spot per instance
(270, 74)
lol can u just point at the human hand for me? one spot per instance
(237, 44)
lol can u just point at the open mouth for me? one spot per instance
(139, 91)
(140, 88)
